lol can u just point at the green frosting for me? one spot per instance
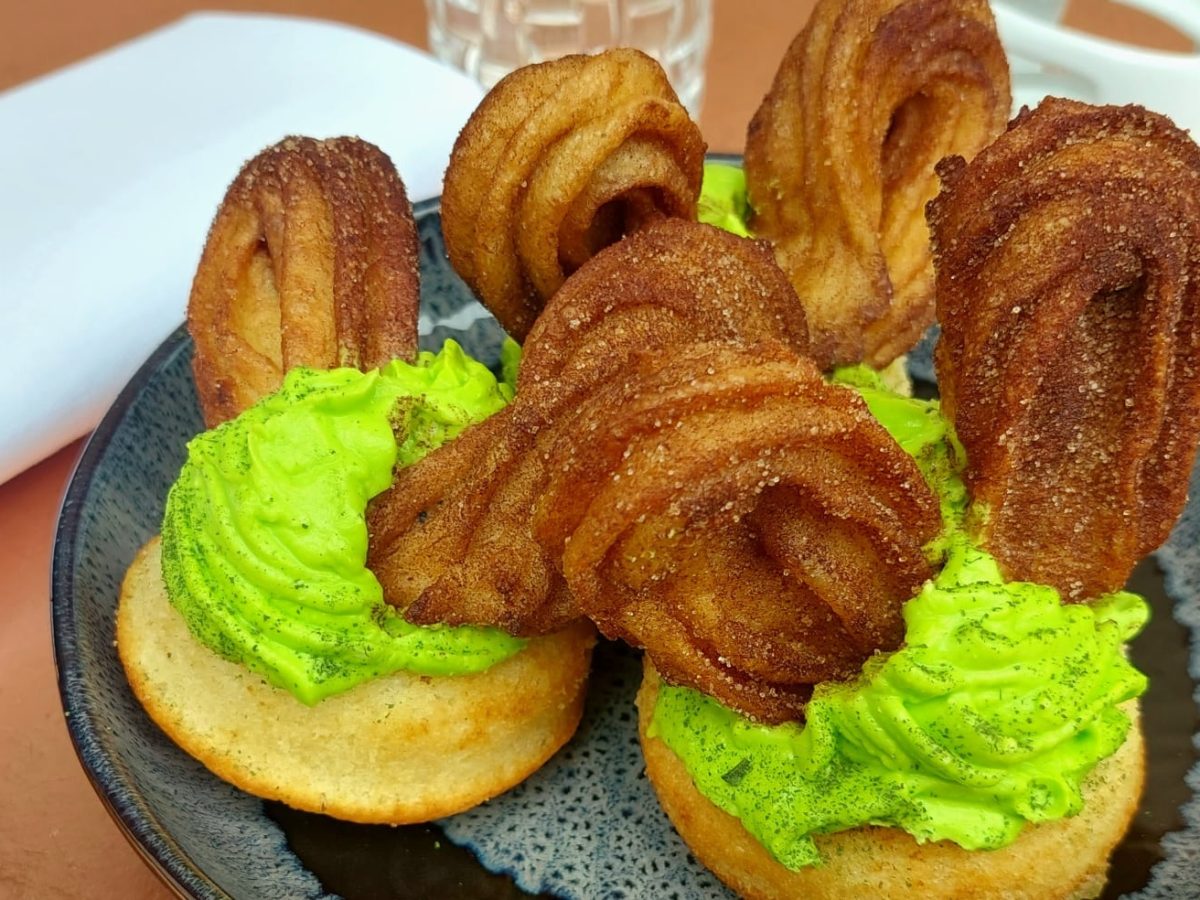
(510, 362)
(1000, 702)
(723, 200)
(861, 376)
(264, 536)
(924, 434)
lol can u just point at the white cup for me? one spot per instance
(1049, 58)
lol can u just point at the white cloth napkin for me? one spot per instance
(111, 170)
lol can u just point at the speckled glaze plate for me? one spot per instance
(587, 825)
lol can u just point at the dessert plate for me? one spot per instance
(587, 825)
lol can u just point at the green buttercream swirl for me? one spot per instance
(264, 535)
(924, 434)
(1000, 702)
(723, 200)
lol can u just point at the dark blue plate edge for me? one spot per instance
(136, 820)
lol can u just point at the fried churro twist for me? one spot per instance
(560, 160)
(672, 453)
(1068, 260)
(840, 158)
(451, 540)
(747, 523)
(311, 260)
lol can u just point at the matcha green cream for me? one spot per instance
(264, 537)
(723, 200)
(997, 706)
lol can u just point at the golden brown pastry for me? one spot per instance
(311, 260)
(665, 380)
(560, 160)
(749, 524)
(1068, 258)
(840, 158)
(675, 283)
(395, 749)
(887, 862)
(451, 540)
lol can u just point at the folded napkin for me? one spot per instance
(111, 170)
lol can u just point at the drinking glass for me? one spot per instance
(489, 38)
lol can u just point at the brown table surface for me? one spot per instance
(56, 840)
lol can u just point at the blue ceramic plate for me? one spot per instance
(587, 825)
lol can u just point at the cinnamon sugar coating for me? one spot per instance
(749, 524)
(675, 469)
(311, 261)
(560, 160)
(1068, 261)
(840, 160)
(451, 540)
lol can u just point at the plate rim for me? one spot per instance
(153, 843)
